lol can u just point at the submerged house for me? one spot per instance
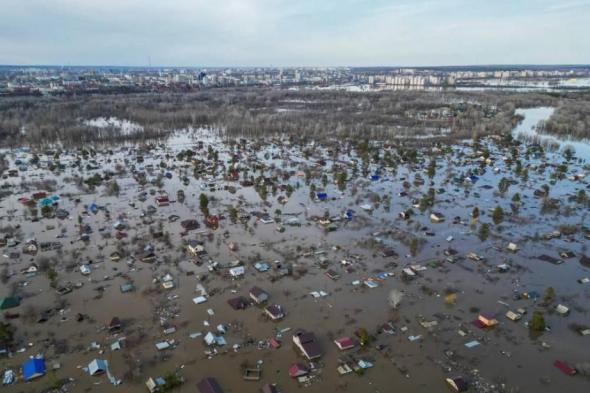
(115, 325)
(238, 303)
(237, 272)
(147, 256)
(487, 320)
(154, 385)
(212, 339)
(85, 270)
(344, 343)
(30, 270)
(458, 384)
(513, 316)
(262, 266)
(297, 370)
(562, 310)
(512, 247)
(565, 368)
(162, 200)
(195, 247)
(9, 302)
(275, 312)
(307, 343)
(209, 385)
(269, 388)
(258, 295)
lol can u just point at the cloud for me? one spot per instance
(303, 32)
(567, 5)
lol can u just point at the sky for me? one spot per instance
(294, 32)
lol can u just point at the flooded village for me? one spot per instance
(204, 261)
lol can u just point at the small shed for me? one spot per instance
(33, 368)
(322, 196)
(562, 310)
(154, 385)
(97, 367)
(512, 247)
(513, 316)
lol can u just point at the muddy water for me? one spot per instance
(508, 359)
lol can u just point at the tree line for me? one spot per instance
(258, 112)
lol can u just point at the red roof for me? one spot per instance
(564, 367)
(297, 370)
(345, 343)
(275, 343)
(478, 323)
(212, 220)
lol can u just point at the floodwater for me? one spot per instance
(509, 359)
(528, 128)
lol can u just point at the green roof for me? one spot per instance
(9, 302)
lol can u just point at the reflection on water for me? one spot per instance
(528, 128)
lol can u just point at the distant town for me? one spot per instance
(54, 80)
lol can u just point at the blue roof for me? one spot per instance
(97, 366)
(46, 202)
(262, 266)
(33, 368)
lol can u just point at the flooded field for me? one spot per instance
(437, 263)
(528, 129)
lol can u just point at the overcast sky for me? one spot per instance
(294, 32)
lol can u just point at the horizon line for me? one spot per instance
(567, 65)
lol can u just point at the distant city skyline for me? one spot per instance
(281, 33)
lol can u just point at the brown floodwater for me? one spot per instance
(509, 359)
